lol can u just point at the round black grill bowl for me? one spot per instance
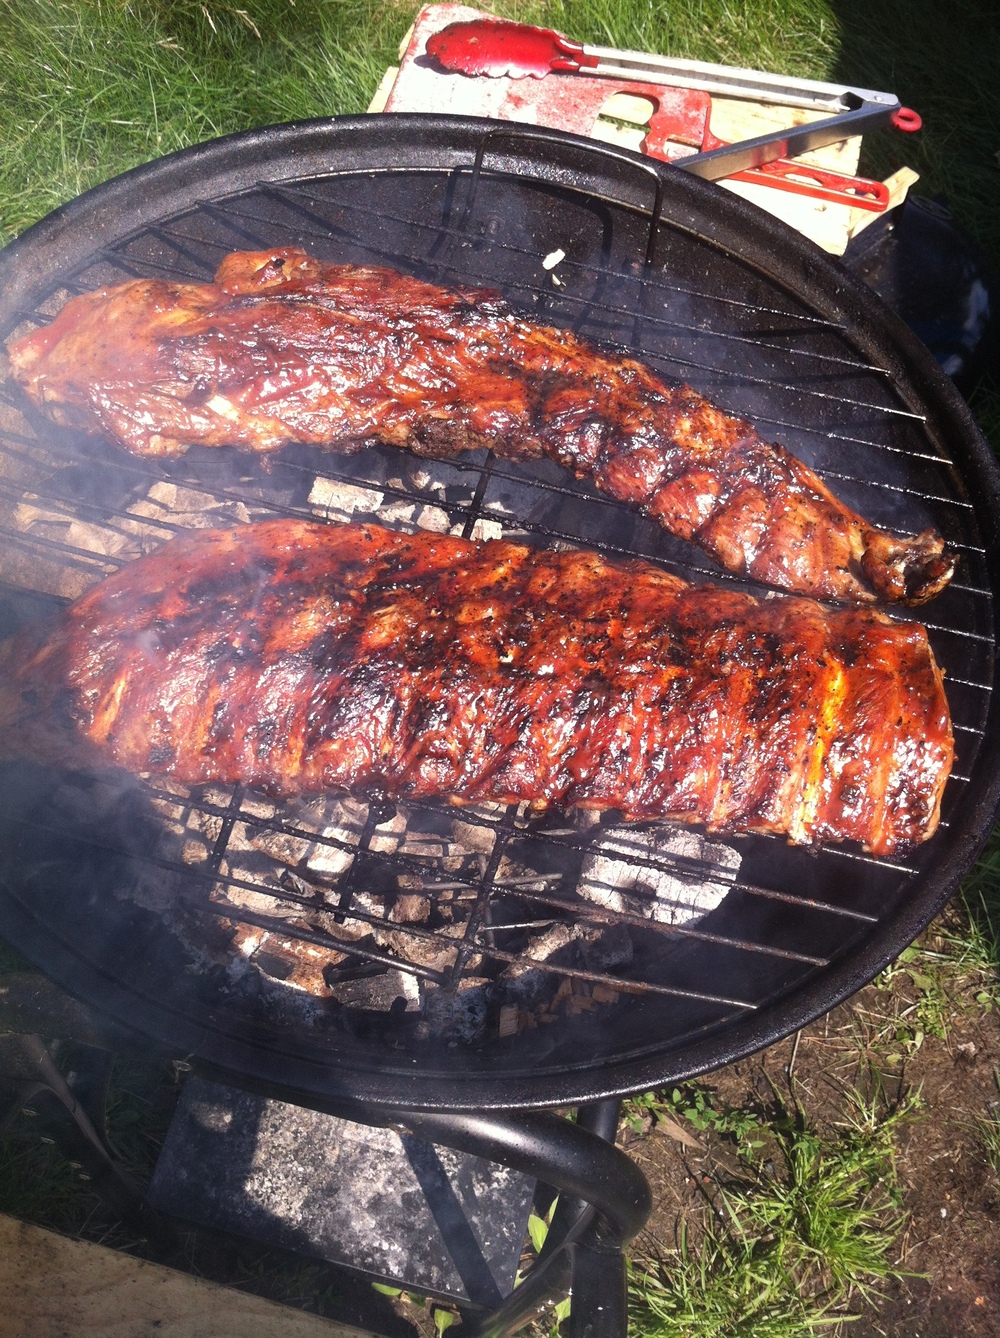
(707, 290)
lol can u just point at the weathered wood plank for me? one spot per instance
(54, 1287)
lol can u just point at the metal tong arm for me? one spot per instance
(715, 164)
(852, 110)
(733, 82)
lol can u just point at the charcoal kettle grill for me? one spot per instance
(523, 987)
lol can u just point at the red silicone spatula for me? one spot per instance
(494, 48)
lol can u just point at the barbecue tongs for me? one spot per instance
(494, 47)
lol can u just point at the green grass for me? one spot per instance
(90, 87)
(987, 1130)
(797, 1238)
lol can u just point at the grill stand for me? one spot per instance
(604, 1199)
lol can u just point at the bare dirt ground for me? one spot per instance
(951, 1243)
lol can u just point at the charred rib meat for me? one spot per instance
(283, 347)
(298, 657)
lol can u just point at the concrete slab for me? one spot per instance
(383, 1203)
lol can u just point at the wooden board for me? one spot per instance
(53, 1287)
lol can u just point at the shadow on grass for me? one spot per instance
(942, 59)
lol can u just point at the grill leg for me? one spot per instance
(606, 1200)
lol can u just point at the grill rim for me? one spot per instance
(87, 223)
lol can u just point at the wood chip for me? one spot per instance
(508, 1020)
(564, 991)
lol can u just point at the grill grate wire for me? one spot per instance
(530, 902)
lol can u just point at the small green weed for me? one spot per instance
(699, 1107)
(928, 974)
(441, 1318)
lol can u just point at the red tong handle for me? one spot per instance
(907, 120)
(682, 117)
(494, 47)
(858, 192)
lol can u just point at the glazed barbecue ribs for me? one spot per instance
(283, 347)
(298, 657)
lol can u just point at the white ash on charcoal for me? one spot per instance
(606, 949)
(417, 478)
(340, 500)
(190, 507)
(545, 948)
(273, 1001)
(436, 954)
(530, 989)
(132, 527)
(335, 500)
(412, 908)
(291, 961)
(672, 875)
(475, 830)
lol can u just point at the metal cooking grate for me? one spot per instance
(636, 969)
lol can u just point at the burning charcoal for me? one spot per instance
(376, 992)
(555, 940)
(419, 478)
(397, 515)
(437, 954)
(274, 964)
(247, 842)
(189, 507)
(285, 959)
(433, 518)
(475, 837)
(528, 986)
(672, 875)
(389, 832)
(427, 845)
(483, 530)
(296, 963)
(339, 501)
(341, 924)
